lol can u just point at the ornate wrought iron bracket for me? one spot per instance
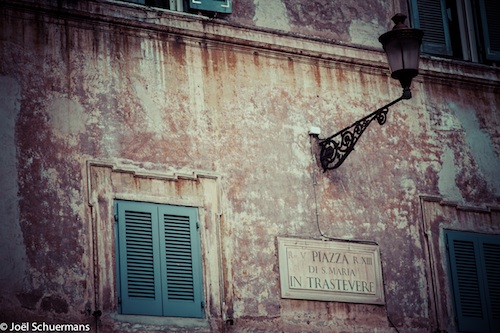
(336, 148)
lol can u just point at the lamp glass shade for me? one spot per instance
(402, 46)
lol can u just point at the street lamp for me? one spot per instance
(402, 46)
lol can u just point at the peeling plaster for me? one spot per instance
(366, 33)
(410, 188)
(446, 182)
(11, 239)
(480, 146)
(67, 119)
(152, 109)
(271, 13)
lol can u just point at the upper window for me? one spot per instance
(215, 6)
(475, 275)
(158, 258)
(461, 29)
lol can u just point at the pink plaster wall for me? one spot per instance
(76, 88)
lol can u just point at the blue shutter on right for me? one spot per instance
(491, 262)
(219, 6)
(181, 262)
(431, 17)
(466, 280)
(475, 277)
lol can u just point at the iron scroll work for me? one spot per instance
(336, 148)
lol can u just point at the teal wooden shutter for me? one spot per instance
(475, 274)
(466, 280)
(220, 6)
(139, 259)
(181, 262)
(491, 262)
(490, 18)
(431, 17)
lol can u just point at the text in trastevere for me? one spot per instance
(330, 271)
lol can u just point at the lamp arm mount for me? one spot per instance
(336, 148)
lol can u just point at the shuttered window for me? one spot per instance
(464, 29)
(159, 261)
(474, 262)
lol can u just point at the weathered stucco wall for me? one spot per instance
(180, 94)
(355, 22)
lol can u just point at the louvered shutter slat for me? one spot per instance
(467, 279)
(140, 261)
(178, 256)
